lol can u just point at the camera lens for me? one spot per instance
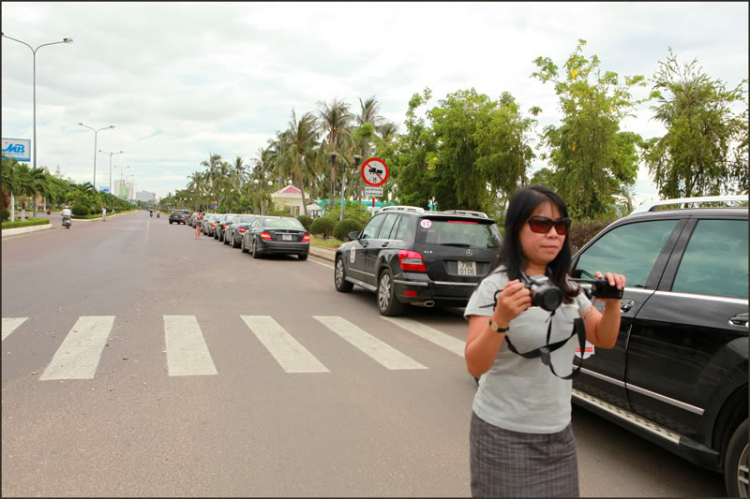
(549, 299)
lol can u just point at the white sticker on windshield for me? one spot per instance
(425, 223)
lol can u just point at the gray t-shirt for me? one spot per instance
(520, 394)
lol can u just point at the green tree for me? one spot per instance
(335, 118)
(704, 151)
(589, 155)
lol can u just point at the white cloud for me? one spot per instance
(180, 79)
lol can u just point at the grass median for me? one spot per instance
(25, 223)
(330, 243)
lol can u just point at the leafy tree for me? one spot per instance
(590, 156)
(335, 118)
(704, 151)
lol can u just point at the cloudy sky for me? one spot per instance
(180, 80)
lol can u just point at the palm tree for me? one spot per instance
(197, 186)
(335, 119)
(39, 185)
(298, 143)
(9, 181)
(387, 131)
(369, 112)
(211, 165)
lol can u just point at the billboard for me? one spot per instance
(20, 149)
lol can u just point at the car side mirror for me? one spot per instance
(354, 235)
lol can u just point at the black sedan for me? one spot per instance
(236, 228)
(276, 235)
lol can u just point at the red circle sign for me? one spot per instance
(374, 172)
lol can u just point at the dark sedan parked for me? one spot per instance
(178, 216)
(276, 235)
(222, 225)
(236, 228)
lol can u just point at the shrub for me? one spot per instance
(25, 223)
(344, 227)
(305, 221)
(80, 210)
(583, 231)
(6, 215)
(323, 226)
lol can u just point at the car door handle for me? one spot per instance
(364, 243)
(384, 244)
(739, 320)
(626, 305)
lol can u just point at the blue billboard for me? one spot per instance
(19, 149)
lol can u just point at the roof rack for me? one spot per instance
(467, 212)
(414, 209)
(646, 207)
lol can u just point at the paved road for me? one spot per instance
(150, 364)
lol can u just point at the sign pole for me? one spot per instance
(373, 203)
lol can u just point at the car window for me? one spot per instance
(715, 260)
(630, 250)
(459, 232)
(244, 220)
(372, 228)
(385, 229)
(283, 223)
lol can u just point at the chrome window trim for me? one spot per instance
(737, 301)
(411, 283)
(667, 400)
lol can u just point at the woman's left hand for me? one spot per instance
(613, 280)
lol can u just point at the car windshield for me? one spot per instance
(282, 223)
(460, 232)
(246, 219)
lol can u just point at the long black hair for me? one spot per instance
(520, 209)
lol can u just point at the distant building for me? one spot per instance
(124, 190)
(290, 198)
(145, 196)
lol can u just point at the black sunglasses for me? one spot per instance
(542, 225)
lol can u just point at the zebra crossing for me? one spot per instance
(188, 354)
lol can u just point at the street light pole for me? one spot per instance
(33, 51)
(96, 132)
(333, 179)
(110, 166)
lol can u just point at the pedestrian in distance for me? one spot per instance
(104, 213)
(521, 440)
(198, 220)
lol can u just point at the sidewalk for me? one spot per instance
(324, 253)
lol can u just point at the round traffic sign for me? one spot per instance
(374, 172)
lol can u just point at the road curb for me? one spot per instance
(25, 230)
(323, 253)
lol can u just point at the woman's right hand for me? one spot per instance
(512, 300)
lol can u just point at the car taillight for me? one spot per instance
(241, 230)
(224, 226)
(213, 224)
(306, 238)
(265, 235)
(183, 216)
(411, 261)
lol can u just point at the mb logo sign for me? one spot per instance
(18, 149)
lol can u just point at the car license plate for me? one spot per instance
(286, 237)
(467, 268)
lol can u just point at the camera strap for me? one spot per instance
(546, 351)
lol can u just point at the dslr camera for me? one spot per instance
(546, 295)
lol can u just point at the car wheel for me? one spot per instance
(242, 246)
(339, 277)
(736, 471)
(302, 257)
(255, 250)
(234, 241)
(170, 222)
(226, 241)
(388, 305)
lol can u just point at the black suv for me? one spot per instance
(412, 256)
(178, 216)
(678, 375)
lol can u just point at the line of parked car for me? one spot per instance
(254, 234)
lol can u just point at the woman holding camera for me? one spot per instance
(521, 439)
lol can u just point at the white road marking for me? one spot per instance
(288, 352)
(10, 325)
(378, 350)
(187, 352)
(79, 354)
(430, 334)
(323, 264)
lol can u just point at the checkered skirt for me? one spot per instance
(506, 463)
